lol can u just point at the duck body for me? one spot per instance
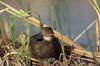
(43, 49)
(45, 46)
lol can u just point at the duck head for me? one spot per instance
(48, 34)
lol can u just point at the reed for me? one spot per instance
(95, 5)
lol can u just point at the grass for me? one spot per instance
(13, 57)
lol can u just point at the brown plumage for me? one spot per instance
(45, 45)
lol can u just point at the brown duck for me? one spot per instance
(45, 45)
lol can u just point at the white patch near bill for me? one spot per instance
(47, 38)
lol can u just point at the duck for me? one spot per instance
(45, 45)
